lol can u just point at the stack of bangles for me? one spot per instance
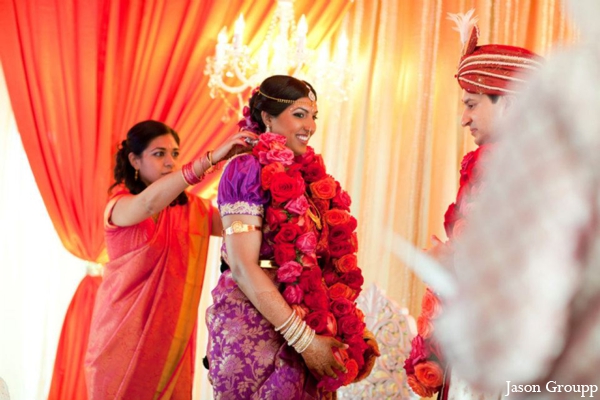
(296, 332)
(190, 177)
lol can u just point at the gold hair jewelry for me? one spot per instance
(311, 96)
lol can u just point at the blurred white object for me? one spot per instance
(4, 395)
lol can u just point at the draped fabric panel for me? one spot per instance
(400, 131)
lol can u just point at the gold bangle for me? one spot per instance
(298, 334)
(209, 157)
(292, 330)
(240, 227)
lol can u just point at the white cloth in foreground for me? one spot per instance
(4, 395)
(528, 270)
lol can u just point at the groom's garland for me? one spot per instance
(314, 242)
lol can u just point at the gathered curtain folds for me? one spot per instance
(79, 74)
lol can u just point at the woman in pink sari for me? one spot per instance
(142, 341)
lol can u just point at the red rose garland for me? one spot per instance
(425, 366)
(316, 256)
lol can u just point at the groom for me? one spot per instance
(491, 77)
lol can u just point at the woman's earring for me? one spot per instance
(136, 174)
(268, 128)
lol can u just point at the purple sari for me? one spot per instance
(248, 359)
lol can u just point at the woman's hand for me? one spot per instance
(319, 356)
(235, 144)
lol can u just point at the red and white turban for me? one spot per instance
(495, 69)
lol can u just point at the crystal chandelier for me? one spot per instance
(234, 70)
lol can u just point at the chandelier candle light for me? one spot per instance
(235, 70)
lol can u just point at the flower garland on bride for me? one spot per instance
(314, 242)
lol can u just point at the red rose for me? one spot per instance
(342, 200)
(340, 291)
(324, 188)
(308, 260)
(431, 306)
(353, 279)
(284, 252)
(336, 217)
(307, 243)
(347, 263)
(356, 349)
(289, 271)
(330, 277)
(419, 351)
(275, 217)
(317, 320)
(314, 173)
(430, 374)
(267, 173)
(338, 250)
(342, 306)
(311, 280)
(349, 325)
(287, 233)
(408, 366)
(316, 300)
(418, 387)
(293, 294)
(307, 158)
(330, 384)
(339, 233)
(285, 187)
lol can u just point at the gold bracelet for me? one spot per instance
(240, 227)
(309, 339)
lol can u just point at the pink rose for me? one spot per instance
(331, 324)
(297, 206)
(419, 350)
(284, 156)
(293, 294)
(307, 243)
(289, 271)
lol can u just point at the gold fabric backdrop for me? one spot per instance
(396, 145)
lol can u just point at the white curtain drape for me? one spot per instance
(37, 275)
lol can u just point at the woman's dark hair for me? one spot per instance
(280, 87)
(138, 138)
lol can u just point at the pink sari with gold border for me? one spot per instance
(142, 340)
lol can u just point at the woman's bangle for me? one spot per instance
(287, 321)
(189, 175)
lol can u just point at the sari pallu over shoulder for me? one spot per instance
(142, 341)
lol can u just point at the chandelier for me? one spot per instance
(235, 70)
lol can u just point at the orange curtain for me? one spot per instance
(68, 381)
(79, 73)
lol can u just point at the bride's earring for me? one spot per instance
(268, 128)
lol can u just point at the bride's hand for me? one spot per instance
(319, 356)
